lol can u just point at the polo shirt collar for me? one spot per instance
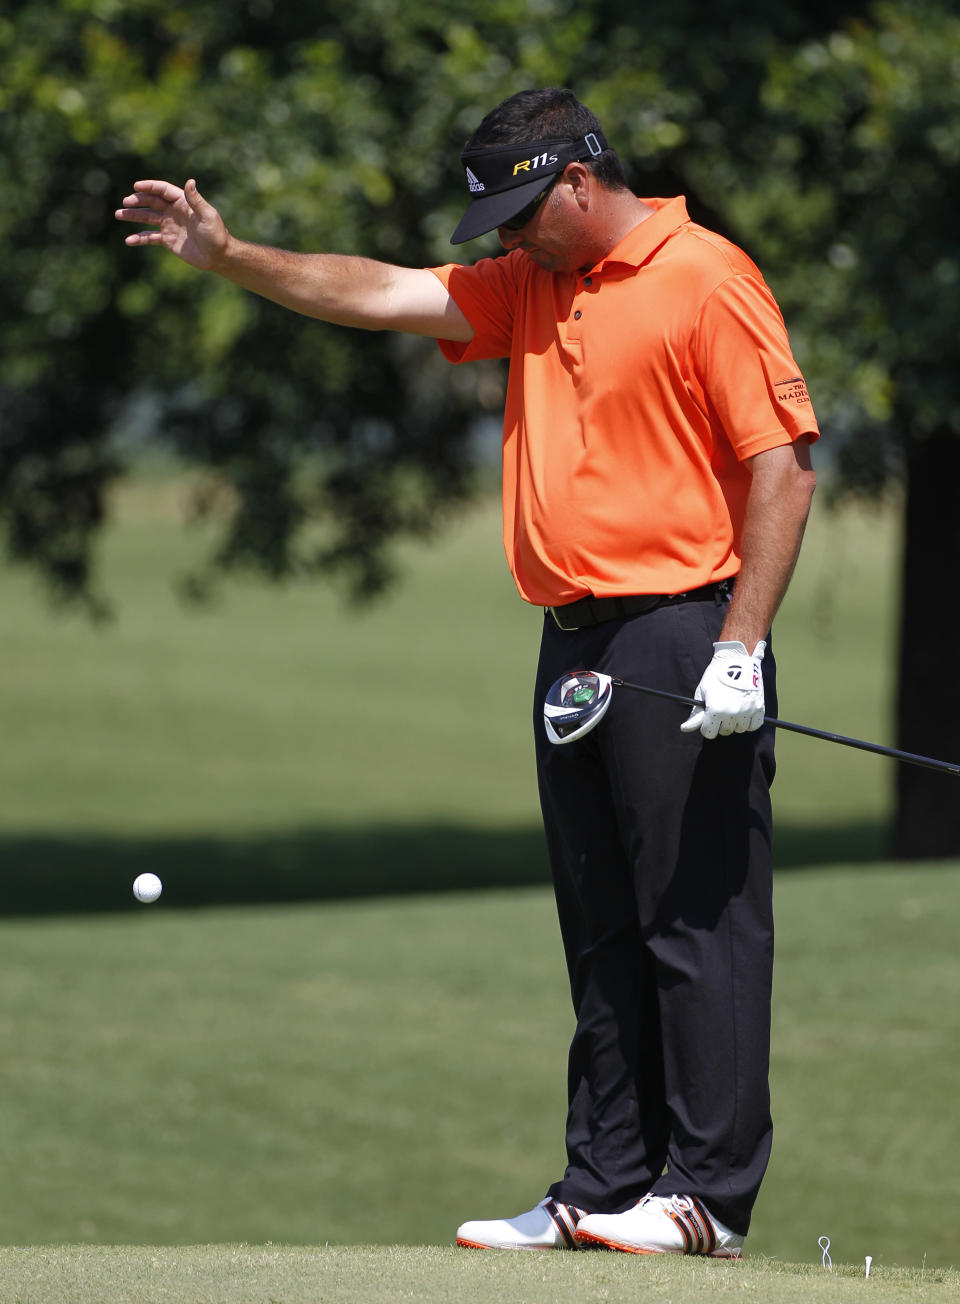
(647, 236)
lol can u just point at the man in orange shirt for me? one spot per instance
(656, 450)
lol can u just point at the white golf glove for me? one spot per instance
(731, 692)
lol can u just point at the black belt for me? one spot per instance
(594, 611)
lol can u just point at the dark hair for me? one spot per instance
(549, 114)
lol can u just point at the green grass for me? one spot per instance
(276, 707)
(365, 1072)
(281, 746)
(228, 1274)
(835, 641)
(340, 1072)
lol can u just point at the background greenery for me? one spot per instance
(279, 746)
(812, 133)
(363, 1071)
(290, 1064)
(825, 138)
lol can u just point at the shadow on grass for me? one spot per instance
(94, 873)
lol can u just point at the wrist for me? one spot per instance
(224, 258)
(736, 647)
(748, 640)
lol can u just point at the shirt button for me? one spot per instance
(588, 280)
(577, 315)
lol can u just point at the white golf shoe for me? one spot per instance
(549, 1226)
(676, 1224)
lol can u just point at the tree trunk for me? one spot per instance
(927, 820)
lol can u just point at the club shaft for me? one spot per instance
(910, 758)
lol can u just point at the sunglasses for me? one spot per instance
(521, 219)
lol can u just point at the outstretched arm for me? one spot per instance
(338, 288)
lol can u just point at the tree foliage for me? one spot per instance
(857, 213)
(856, 210)
(310, 128)
(297, 127)
(823, 137)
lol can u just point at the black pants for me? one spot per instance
(660, 845)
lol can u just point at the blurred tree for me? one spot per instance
(308, 132)
(814, 133)
(853, 214)
(308, 127)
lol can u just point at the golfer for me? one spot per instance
(656, 484)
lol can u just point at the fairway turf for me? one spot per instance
(244, 1274)
(363, 1071)
(278, 719)
(348, 1071)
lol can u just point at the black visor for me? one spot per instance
(503, 179)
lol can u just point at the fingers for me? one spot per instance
(711, 725)
(713, 720)
(695, 719)
(150, 202)
(130, 214)
(164, 190)
(193, 196)
(715, 723)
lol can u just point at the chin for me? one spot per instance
(549, 262)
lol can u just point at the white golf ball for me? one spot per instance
(147, 887)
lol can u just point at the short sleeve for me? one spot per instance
(747, 369)
(486, 293)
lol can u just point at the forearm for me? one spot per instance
(777, 510)
(337, 288)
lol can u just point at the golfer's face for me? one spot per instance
(553, 237)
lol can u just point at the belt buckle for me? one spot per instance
(567, 629)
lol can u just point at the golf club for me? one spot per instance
(579, 700)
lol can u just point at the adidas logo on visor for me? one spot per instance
(474, 182)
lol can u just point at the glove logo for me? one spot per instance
(756, 675)
(733, 673)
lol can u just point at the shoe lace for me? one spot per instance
(661, 1201)
(682, 1203)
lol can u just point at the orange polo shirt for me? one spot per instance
(636, 390)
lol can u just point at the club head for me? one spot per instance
(575, 704)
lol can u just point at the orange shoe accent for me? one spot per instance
(588, 1240)
(475, 1245)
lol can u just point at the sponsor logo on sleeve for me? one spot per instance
(793, 390)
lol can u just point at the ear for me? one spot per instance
(581, 181)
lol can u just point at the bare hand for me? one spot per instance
(185, 223)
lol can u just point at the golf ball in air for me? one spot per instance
(147, 887)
